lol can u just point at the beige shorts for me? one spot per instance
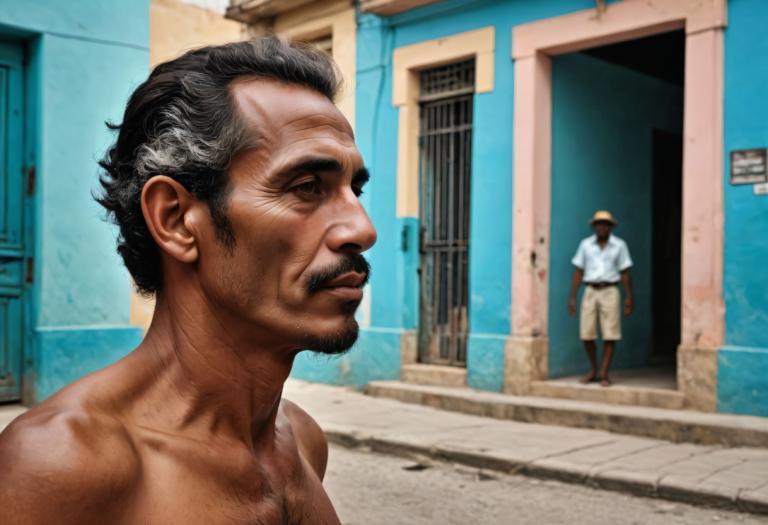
(601, 305)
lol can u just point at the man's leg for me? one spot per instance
(608, 348)
(588, 331)
(591, 349)
(610, 327)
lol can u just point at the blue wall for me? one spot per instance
(743, 364)
(603, 116)
(85, 58)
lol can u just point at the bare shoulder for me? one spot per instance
(61, 463)
(309, 436)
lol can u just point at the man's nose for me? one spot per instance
(353, 230)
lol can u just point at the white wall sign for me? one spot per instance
(749, 166)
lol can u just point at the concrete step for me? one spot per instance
(616, 395)
(680, 426)
(423, 374)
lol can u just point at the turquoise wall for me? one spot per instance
(603, 117)
(84, 59)
(743, 364)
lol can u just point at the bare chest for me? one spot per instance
(198, 490)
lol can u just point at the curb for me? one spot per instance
(638, 484)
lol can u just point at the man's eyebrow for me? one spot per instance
(315, 165)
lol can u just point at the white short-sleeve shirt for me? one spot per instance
(602, 265)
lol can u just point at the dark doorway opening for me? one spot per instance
(666, 244)
(661, 56)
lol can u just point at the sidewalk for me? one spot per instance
(703, 474)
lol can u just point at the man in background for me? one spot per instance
(602, 261)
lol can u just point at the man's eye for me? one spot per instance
(310, 187)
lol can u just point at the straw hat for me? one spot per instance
(603, 216)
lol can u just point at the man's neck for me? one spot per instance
(208, 375)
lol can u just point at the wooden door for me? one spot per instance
(12, 246)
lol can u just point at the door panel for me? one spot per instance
(11, 271)
(10, 346)
(12, 253)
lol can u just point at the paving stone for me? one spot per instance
(716, 496)
(556, 468)
(710, 464)
(625, 480)
(483, 457)
(655, 459)
(746, 476)
(613, 450)
(754, 500)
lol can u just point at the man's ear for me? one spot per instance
(168, 211)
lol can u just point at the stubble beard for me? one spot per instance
(334, 344)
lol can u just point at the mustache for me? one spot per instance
(353, 262)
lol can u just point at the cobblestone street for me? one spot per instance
(374, 489)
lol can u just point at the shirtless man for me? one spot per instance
(235, 183)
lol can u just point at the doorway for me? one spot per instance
(12, 241)
(617, 120)
(536, 48)
(445, 147)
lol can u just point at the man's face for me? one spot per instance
(603, 228)
(295, 273)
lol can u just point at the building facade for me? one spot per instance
(65, 68)
(495, 129)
